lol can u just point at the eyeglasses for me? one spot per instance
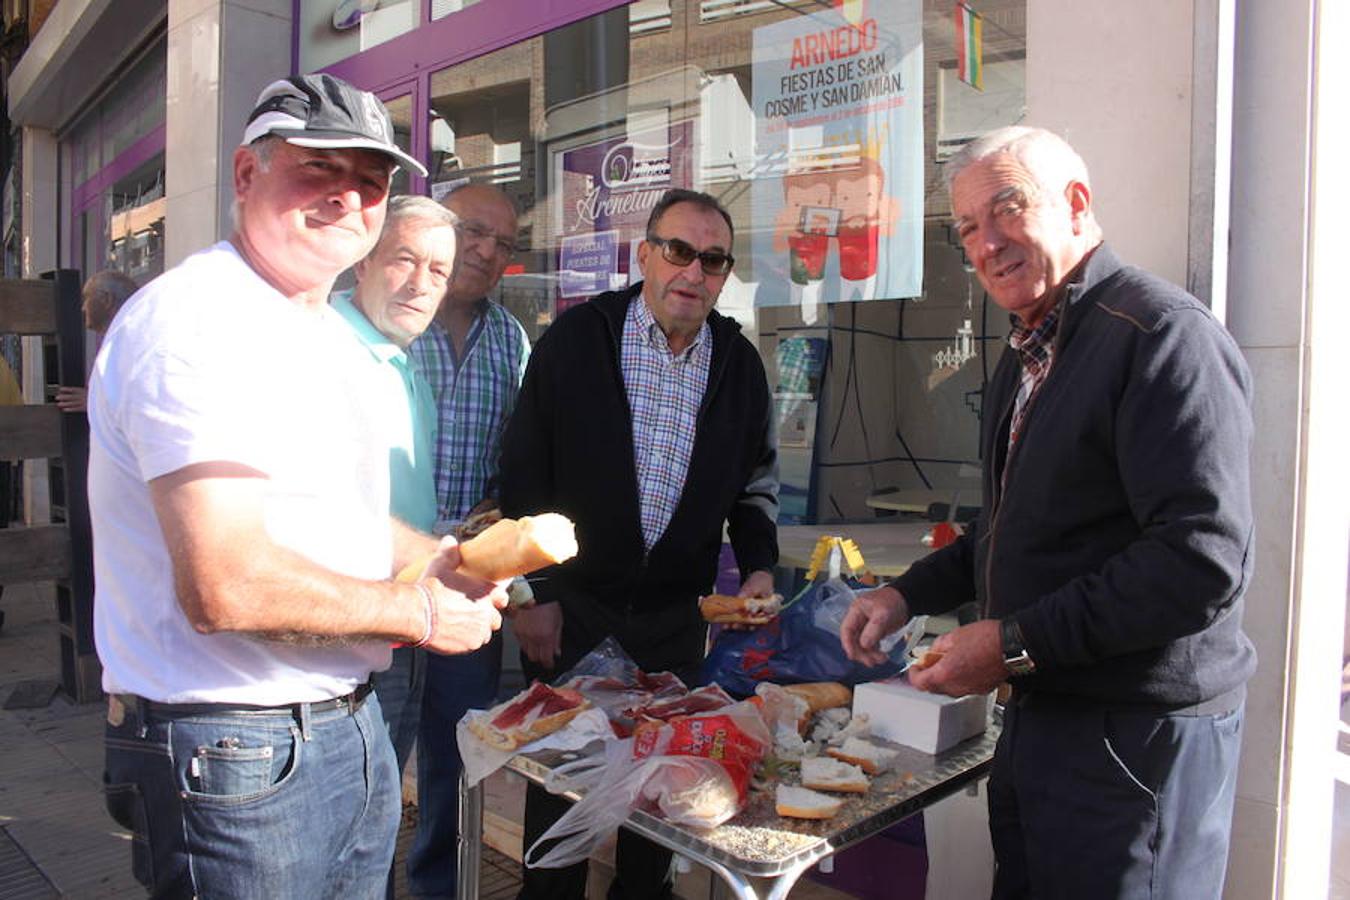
(678, 253)
(476, 232)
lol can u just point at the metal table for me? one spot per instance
(758, 854)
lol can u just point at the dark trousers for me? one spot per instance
(1092, 802)
(667, 640)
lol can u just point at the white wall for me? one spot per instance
(1114, 79)
(221, 53)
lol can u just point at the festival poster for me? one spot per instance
(608, 190)
(838, 207)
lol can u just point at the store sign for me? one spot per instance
(838, 100)
(609, 188)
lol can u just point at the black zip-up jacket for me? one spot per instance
(1121, 540)
(568, 448)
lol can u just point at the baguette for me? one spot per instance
(825, 774)
(510, 547)
(926, 658)
(725, 609)
(803, 803)
(821, 694)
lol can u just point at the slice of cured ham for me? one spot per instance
(538, 711)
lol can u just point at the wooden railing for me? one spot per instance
(61, 551)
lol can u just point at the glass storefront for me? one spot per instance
(822, 128)
(114, 158)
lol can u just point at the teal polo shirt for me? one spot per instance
(405, 397)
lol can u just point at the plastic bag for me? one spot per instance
(694, 771)
(802, 645)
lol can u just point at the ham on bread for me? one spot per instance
(725, 609)
(537, 712)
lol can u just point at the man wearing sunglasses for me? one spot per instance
(645, 417)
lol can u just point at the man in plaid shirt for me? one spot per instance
(473, 356)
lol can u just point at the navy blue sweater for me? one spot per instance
(1121, 540)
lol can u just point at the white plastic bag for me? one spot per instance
(694, 772)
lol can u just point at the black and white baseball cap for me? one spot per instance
(328, 113)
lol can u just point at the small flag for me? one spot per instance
(969, 52)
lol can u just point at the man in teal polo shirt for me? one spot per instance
(399, 286)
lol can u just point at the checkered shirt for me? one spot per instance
(474, 398)
(664, 395)
(1036, 349)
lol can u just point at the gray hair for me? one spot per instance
(1046, 155)
(103, 295)
(262, 150)
(414, 208)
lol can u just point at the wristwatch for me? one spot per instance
(1015, 655)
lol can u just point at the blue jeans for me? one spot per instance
(1112, 803)
(255, 805)
(399, 688)
(454, 685)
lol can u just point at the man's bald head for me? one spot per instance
(487, 240)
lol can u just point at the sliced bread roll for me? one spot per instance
(821, 694)
(822, 773)
(804, 803)
(873, 758)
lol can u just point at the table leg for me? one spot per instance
(745, 887)
(470, 837)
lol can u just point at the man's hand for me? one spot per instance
(71, 399)
(757, 584)
(971, 663)
(539, 630)
(872, 616)
(445, 567)
(463, 624)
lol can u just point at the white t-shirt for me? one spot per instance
(210, 363)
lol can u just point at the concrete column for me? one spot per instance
(221, 53)
(41, 224)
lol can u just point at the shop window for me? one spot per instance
(135, 236)
(332, 30)
(822, 127)
(401, 116)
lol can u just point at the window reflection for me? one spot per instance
(845, 263)
(135, 236)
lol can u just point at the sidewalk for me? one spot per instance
(56, 839)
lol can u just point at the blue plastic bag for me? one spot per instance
(794, 648)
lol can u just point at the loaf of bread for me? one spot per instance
(510, 547)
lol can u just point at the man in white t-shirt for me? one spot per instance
(243, 540)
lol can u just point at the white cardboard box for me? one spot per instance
(924, 721)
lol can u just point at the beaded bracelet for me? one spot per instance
(430, 609)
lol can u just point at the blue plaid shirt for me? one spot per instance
(664, 395)
(474, 398)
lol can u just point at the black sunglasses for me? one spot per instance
(678, 253)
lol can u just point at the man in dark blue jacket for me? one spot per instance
(645, 417)
(1111, 554)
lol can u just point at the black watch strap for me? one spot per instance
(1015, 655)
